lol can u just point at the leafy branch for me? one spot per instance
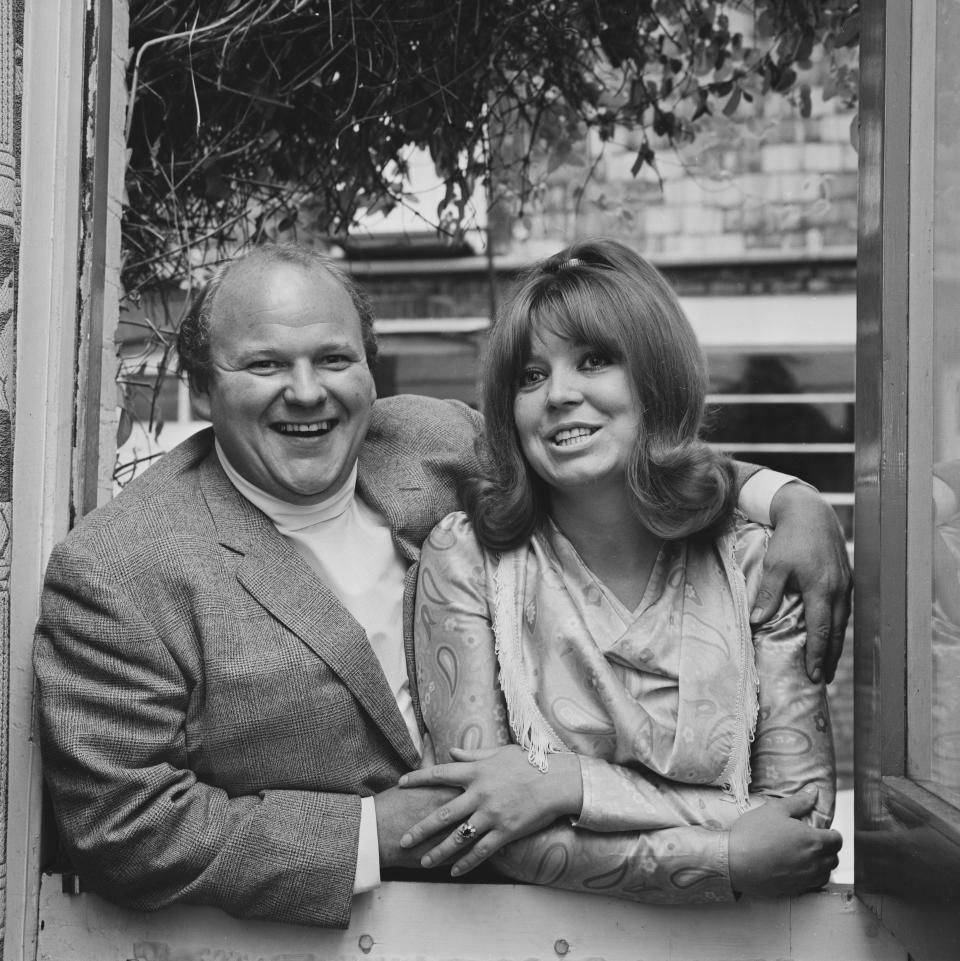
(246, 117)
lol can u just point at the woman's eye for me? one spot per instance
(530, 377)
(596, 361)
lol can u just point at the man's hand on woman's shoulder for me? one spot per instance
(808, 552)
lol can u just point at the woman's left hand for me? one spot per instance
(504, 797)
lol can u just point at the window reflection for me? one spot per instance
(945, 633)
(945, 760)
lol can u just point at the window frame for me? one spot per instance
(908, 838)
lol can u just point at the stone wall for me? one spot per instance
(767, 179)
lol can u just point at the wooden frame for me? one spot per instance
(908, 839)
(52, 125)
(69, 262)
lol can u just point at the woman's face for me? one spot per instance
(576, 415)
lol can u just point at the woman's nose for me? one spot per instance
(563, 389)
(305, 387)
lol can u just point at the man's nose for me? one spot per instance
(305, 386)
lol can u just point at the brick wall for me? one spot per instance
(772, 181)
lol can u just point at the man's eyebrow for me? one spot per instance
(254, 350)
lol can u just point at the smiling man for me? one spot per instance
(224, 651)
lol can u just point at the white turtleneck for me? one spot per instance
(350, 548)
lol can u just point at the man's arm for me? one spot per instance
(139, 825)
(808, 553)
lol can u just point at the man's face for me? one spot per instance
(290, 394)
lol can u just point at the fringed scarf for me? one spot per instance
(671, 686)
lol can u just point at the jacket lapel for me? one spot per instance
(279, 579)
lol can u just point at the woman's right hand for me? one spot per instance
(504, 797)
(774, 854)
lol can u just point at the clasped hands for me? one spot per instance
(772, 851)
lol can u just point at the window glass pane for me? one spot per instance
(789, 410)
(798, 371)
(434, 364)
(945, 634)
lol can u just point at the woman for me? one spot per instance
(583, 639)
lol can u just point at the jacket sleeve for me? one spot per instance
(139, 825)
(675, 849)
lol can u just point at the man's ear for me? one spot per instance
(200, 401)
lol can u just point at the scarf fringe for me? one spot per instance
(529, 726)
(736, 777)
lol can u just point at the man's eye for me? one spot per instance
(335, 361)
(263, 365)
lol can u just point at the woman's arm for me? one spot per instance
(793, 745)
(464, 708)
(462, 704)
(504, 796)
(768, 853)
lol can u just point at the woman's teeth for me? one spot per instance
(572, 435)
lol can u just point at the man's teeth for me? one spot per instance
(320, 427)
(572, 435)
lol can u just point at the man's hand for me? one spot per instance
(399, 809)
(808, 553)
(773, 854)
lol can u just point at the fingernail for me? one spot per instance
(426, 861)
(406, 841)
(455, 872)
(817, 675)
(403, 780)
(756, 614)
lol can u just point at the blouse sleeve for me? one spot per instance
(793, 746)
(456, 660)
(682, 865)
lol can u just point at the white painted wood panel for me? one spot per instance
(439, 922)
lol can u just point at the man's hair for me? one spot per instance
(193, 337)
(601, 294)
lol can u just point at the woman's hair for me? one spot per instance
(601, 294)
(193, 336)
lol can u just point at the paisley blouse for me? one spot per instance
(673, 708)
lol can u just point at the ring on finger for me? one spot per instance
(466, 832)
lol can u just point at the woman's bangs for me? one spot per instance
(582, 314)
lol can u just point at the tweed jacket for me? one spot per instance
(210, 713)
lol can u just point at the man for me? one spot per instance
(224, 651)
